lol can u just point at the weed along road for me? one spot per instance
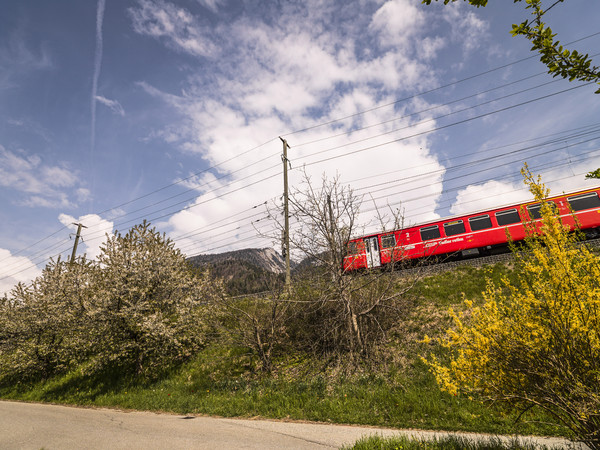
(35, 426)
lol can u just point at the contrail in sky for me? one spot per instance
(97, 66)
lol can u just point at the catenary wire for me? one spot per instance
(454, 83)
(295, 132)
(313, 127)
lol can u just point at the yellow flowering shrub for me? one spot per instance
(535, 342)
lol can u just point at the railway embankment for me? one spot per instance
(391, 387)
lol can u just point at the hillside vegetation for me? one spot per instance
(515, 348)
(225, 373)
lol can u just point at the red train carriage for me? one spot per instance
(469, 235)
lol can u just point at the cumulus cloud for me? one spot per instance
(562, 178)
(396, 21)
(40, 184)
(489, 195)
(15, 269)
(429, 47)
(293, 73)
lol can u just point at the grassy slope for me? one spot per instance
(221, 381)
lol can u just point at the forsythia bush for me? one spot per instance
(536, 342)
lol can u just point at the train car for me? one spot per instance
(470, 235)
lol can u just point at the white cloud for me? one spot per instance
(58, 176)
(83, 195)
(491, 194)
(396, 21)
(176, 26)
(60, 200)
(565, 178)
(93, 236)
(43, 185)
(291, 75)
(466, 27)
(429, 47)
(15, 269)
(114, 105)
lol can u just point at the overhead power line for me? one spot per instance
(198, 173)
(93, 238)
(429, 91)
(238, 231)
(442, 127)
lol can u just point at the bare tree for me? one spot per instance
(337, 312)
(325, 220)
(257, 322)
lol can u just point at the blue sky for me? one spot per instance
(112, 112)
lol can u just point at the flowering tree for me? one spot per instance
(139, 309)
(150, 302)
(536, 343)
(43, 326)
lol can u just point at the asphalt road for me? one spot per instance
(37, 426)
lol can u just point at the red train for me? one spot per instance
(476, 234)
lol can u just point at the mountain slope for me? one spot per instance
(245, 271)
(264, 258)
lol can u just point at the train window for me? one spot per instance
(352, 248)
(454, 227)
(584, 201)
(432, 232)
(480, 222)
(388, 241)
(535, 211)
(507, 217)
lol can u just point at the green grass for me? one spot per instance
(219, 382)
(400, 393)
(449, 288)
(447, 443)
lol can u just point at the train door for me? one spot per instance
(372, 249)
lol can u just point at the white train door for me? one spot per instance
(372, 249)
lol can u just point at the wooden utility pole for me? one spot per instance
(332, 241)
(77, 236)
(331, 230)
(286, 229)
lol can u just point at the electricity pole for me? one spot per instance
(331, 230)
(77, 236)
(286, 230)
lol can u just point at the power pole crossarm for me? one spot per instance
(286, 230)
(77, 236)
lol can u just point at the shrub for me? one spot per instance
(536, 342)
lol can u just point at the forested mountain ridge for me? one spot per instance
(245, 271)
(264, 258)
